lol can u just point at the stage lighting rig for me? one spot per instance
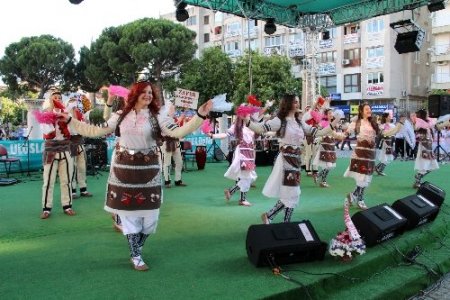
(410, 36)
(270, 26)
(181, 14)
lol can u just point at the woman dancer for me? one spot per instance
(326, 155)
(385, 155)
(242, 168)
(134, 184)
(362, 161)
(284, 181)
(425, 159)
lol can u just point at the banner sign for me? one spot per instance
(374, 90)
(19, 149)
(186, 98)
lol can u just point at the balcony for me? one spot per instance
(440, 81)
(440, 29)
(233, 53)
(352, 38)
(440, 53)
(274, 50)
(327, 69)
(253, 32)
(296, 51)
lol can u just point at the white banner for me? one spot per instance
(186, 98)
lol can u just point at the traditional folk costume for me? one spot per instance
(134, 184)
(242, 167)
(425, 161)
(284, 181)
(57, 159)
(311, 143)
(362, 162)
(79, 159)
(326, 156)
(171, 148)
(385, 151)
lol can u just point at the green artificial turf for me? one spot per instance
(198, 251)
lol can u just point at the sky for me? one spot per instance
(76, 24)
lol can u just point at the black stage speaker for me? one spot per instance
(416, 209)
(284, 243)
(379, 223)
(431, 193)
(408, 42)
(438, 105)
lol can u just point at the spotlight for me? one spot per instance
(270, 26)
(181, 14)
(436, 5)
(75, 1)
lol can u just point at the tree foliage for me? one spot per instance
(157, 44)
(210, 75)
(12, 111)
(120, 52)
(271, 77)
(37, 63)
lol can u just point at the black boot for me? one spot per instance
(243, 201)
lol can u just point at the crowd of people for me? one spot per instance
(147, 139)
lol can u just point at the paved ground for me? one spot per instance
(438, 291)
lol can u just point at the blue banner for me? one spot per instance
(19, 149)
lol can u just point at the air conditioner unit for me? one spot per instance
(345, 62)
(442, 63)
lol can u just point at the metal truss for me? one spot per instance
(291, 16)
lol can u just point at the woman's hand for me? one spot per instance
(205, 108)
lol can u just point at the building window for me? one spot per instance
(296, 38)
(206, 20)
(254, 44)
(375, 25)
(231, 46)
(206, 38)
(352, 54)
(327, 57)
(352, 83)
(330, 83)
(375, 52)
(273, 41)
(191, 21)
(374, 78)
(233, 29)
(351, 29)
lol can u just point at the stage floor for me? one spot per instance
(198, 251)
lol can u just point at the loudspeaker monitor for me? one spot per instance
(416, 209)
(284, 243)
(438, 105)
(410, 41)
(378, 224)
(432, 193)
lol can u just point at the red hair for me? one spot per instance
(136, 90)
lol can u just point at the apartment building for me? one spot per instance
(355, 63)
(440, 50)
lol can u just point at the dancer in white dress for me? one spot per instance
(362, 163)
(425, 159)
(284, 181)
(385, 153)
(242, 168)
